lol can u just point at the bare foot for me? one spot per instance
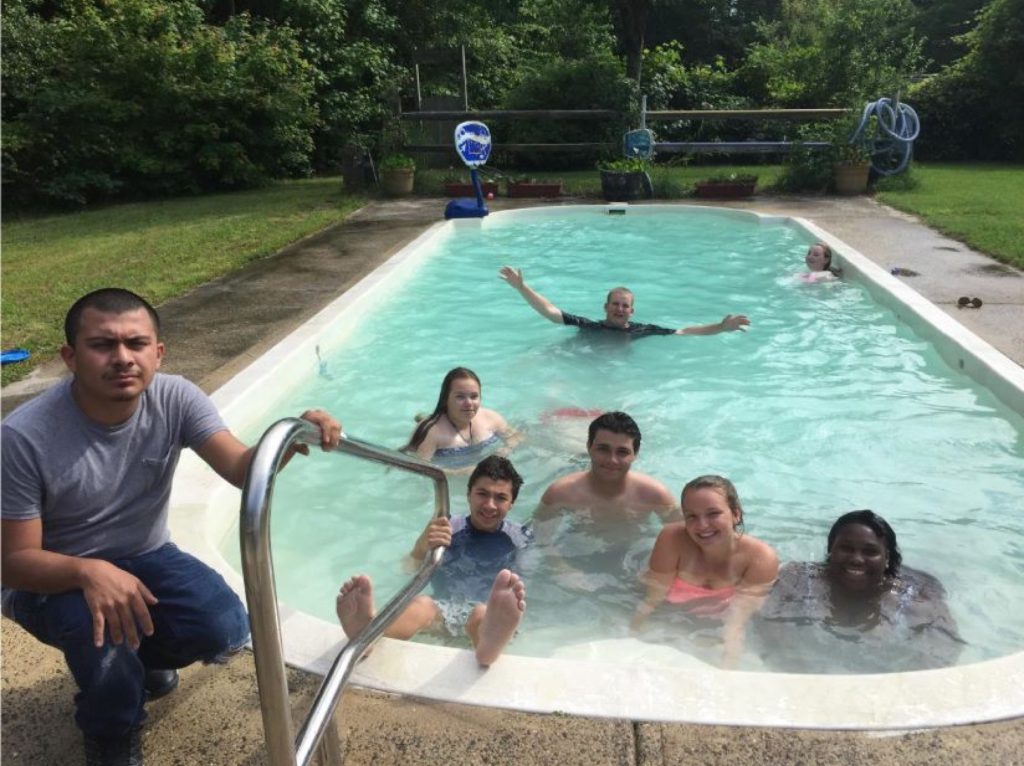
(355, 605)
(505, 608)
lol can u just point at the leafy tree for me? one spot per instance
(974, 109)
(631, 17)
(140, 97)
(350, 47)
(569, 30)
(348, 44)
(833, 52)
(596, 82)
(709, 30)
(670, 83)
(942, 24)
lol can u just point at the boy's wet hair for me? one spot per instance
(878, 525)
(617, 423)
(109, 300)
(496, 468)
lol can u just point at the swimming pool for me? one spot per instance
(525, 361)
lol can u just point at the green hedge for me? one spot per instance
(975, 108)
(141, 97)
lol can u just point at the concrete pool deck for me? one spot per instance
(216, 330)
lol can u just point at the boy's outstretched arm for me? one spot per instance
(538, 302)
(730, 323)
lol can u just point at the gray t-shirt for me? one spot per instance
(101, 491)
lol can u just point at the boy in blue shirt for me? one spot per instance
(474, 588)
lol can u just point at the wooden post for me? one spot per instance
(465, 83)
(419, 98)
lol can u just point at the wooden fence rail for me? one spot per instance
(696, 147)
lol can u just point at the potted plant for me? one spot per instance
(397, 173)
(730, 186)
(851, 168)
(457, 185)
(851, 161)
(625, 179)
(533, 187)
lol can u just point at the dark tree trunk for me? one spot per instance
(633, 24)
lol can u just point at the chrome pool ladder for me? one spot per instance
(316, 734)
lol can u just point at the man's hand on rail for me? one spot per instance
(330, 434)
(330, 429)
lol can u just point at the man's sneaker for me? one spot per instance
(160, 683)
(114, 751)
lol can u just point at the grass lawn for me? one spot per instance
(158, 249)
(979, 204)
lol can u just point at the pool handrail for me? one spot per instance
(261, 591)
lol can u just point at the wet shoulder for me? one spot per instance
(650, 492)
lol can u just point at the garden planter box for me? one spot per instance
(459, 189)
(622, 186)
(725, 189)
(534, 189)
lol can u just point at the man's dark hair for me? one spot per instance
(496, 468)
(110, 300)
(617, 423)
(876, 524)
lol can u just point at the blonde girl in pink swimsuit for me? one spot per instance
(706, 565)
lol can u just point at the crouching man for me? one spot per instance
(88, 566)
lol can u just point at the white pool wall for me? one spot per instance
(591, 679)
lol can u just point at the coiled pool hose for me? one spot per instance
(895, 128)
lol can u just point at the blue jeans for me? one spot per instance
(199, 618)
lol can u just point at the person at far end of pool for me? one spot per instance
(618, 310)
(819, 264)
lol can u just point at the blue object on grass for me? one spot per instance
(12, 355)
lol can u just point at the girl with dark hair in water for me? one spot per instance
(459, 432)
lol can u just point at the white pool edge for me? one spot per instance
(203, 508)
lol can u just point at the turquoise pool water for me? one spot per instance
(826, 405)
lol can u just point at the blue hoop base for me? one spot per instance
(464, 208)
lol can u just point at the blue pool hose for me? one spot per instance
(896, 127)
